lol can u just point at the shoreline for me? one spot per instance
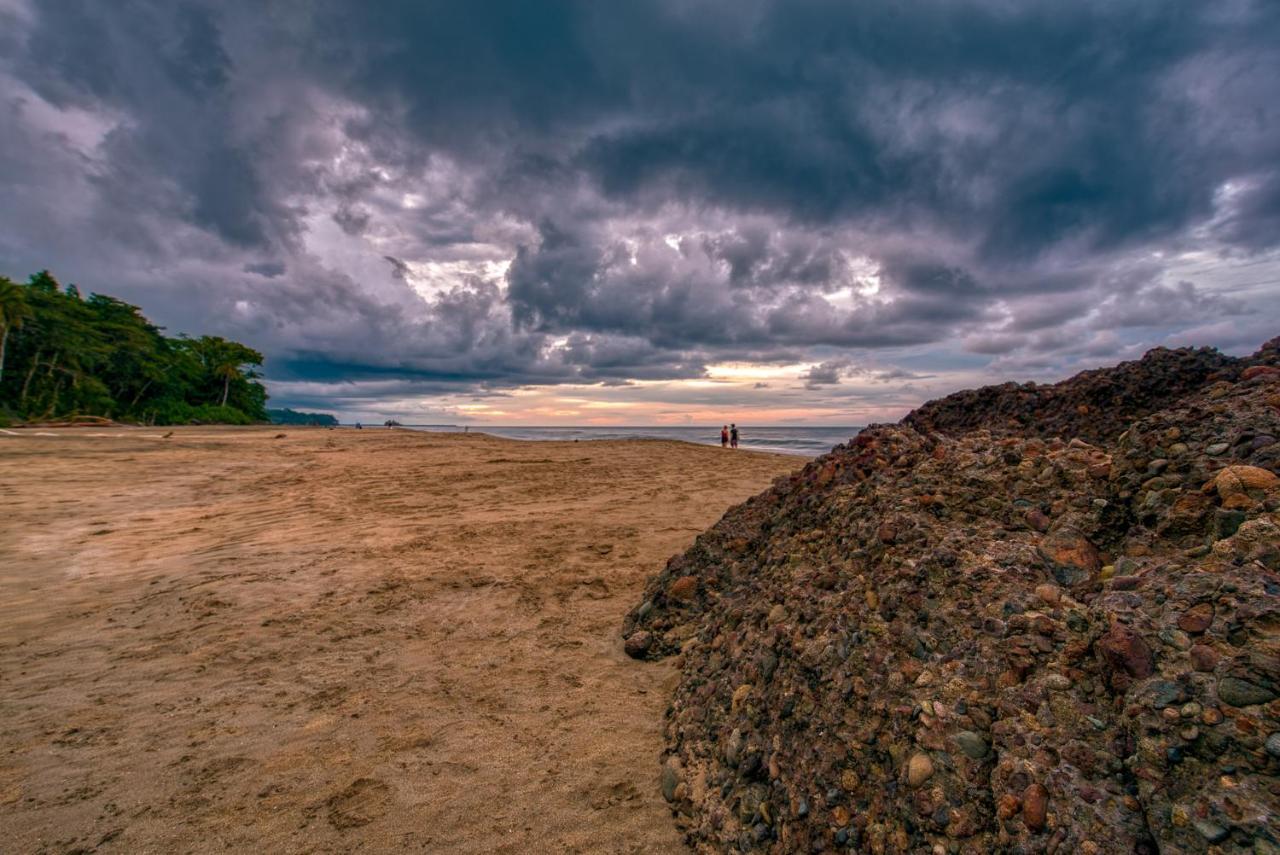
(772, 451)
(120, 430)
(804, 448)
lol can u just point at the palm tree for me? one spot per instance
(13, 311)
(226, 361)
(228, 371)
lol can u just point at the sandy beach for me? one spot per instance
(289, 640)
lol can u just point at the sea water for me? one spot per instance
(808, 441)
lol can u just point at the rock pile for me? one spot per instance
(964, 634)
(1093, 405)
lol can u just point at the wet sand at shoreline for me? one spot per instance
(338, 641)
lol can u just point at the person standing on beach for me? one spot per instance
(724, 436)
(733, 436)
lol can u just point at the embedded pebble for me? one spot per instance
(1035, 806)
(972, 744)
(919, 770)
(1242, 693)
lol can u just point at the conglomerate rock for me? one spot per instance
(992, 640)
(1093, 405)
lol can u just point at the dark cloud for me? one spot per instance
(267, 269)
(1156, 305)
(826, 373)
(576, 192)
(399, 269)
(1254, 218)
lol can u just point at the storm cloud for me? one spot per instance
(423, 201)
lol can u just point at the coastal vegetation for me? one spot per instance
(287, 416)
(65, 356)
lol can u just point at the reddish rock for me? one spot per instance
(1124, 650)
(1203, 657)
(887, 533)
(1071, 557)
(1037, 520)
(1241, 479)
(1197, 618)
(637, 644)
(1252, 371)
(1050, 594)
(1035, 806)
(1187, 515)
(683, 589)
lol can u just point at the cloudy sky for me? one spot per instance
(653, 212)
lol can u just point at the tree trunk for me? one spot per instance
(35, 363)
(138, 396)
(53, 403)
(226, 388)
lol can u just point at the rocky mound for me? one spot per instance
(1093, 405)
(938, 640)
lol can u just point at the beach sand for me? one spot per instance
(338, 641)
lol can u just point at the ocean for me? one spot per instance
(801, 440)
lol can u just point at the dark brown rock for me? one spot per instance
(1070, 556)
(1037, 520)
(1124, 650)
(1035, 806)
(1203, 658)
(1196, 619)
(637, 644)
(683, 589)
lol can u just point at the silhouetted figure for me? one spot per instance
(733, 436)
(724, 436)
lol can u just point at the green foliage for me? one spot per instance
(293, 417)
(179, 413)
(62, 356)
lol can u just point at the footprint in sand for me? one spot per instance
(363, 801)
(620, 793)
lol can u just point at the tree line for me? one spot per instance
(63, 356)
(293, 417)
